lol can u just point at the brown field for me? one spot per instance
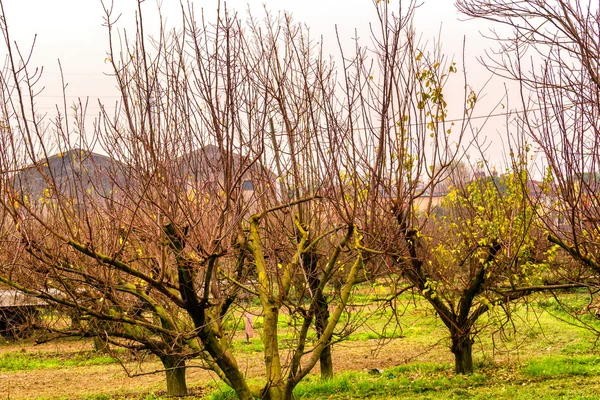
(537, 334)
(112, 379)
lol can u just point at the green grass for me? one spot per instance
(362, 336)
(534, 330)
(400, 382)
(550, 367)
(436, 381)
(543, 353)
(579, 347)
(23, 361)
(256, 345)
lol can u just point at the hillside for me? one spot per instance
(71, 174)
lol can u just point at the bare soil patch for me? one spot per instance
(80, 382)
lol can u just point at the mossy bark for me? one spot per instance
(175, 372)
(310, 262)
(321, 321)
(326, 363)
(462, 348)
(101, 345)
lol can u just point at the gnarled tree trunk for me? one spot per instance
(322, 318)
(175, 371)
(310, 263)
(462, 348)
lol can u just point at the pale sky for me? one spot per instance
(72, 31)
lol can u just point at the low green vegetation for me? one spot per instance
(437, 381)
(23, 361)
(557, 366)
(543, 352)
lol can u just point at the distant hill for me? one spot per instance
(78, 173)
(207, 164)
(71, 174)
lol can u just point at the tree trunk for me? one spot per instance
(226, 362)
(271, 353)
(310, 263)
(175, 371)
(326, 363)
(321, 320)
(101, 345)
(462, 347)
(276, 393)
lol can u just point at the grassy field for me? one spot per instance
(542, 352)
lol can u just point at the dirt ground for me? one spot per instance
(79, 382)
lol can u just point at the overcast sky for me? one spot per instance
(73, 31)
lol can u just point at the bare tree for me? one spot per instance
(482, 252)
(243, 164)
(155, 246)
(552, 52)
(403, 151)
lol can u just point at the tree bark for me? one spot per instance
(322, 318)
(175, 371)
(271, 353)
(226, 362)
(326, 363)
(310, 263)
(276, 393)
(462, 348)
(101, 345)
